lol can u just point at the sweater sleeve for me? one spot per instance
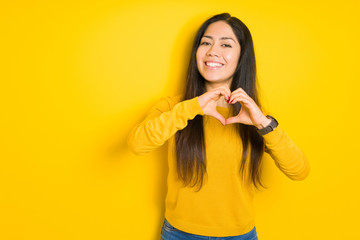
(287, 156)
(162, 122)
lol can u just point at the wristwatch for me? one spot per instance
(273, 124)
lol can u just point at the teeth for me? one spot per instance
(212, 64)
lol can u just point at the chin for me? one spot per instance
(213, 79)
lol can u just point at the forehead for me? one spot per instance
(220, 29)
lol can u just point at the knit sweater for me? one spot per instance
(224, 205)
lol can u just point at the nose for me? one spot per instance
(212, 51)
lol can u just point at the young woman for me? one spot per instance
(217, 133)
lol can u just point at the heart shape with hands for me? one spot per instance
(250, 113)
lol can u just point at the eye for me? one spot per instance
(205, 43)
(227, 45)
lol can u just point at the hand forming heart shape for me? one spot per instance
(250, 113)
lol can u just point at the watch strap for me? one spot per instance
(269, 128)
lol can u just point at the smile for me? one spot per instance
(213, 65)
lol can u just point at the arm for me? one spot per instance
(162, 122)
(287, 156)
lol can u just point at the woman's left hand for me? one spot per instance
(250, 113)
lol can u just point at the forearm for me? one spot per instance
(288, 157)
(159, 126)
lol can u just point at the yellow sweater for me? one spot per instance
(224, 205)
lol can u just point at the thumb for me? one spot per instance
(231, 120)
(219, 117)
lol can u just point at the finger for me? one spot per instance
(242, 93)
(239, 90)
(228, 91)
(222, 91)
(240, 98)
(225, 91)
(232, 120)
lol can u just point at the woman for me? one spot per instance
(217, 134)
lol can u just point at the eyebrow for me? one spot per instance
(222, 38)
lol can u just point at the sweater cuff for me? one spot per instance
(274, 137)
(194, 107)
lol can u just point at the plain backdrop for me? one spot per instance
(76, 76)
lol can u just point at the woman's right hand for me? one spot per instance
(208, 101)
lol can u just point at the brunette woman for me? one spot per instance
(217, 133)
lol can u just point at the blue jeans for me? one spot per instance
(169, 232)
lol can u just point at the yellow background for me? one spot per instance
(77, 76)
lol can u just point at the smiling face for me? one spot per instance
(218, 54)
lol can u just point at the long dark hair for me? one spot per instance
(190, 143)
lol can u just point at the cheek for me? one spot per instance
(199, 53)
(232, 58)
(198, 57)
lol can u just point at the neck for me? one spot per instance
(209, 85)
